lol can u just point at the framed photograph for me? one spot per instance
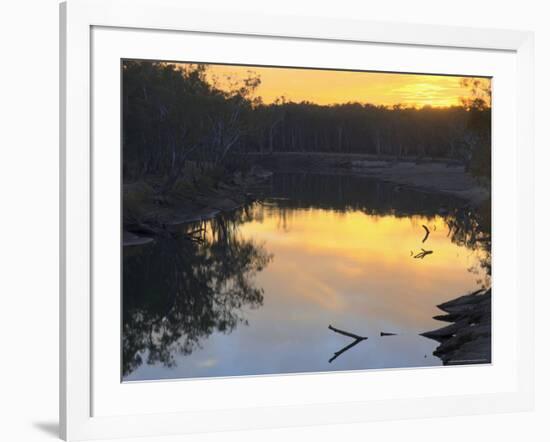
(280, 221)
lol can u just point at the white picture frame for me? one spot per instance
(89, 405)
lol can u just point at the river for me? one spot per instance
(256, 290)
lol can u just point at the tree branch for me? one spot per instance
(427, 233)
(345, 333)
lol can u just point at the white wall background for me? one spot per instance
(29, 220)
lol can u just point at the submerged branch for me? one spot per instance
(427, 233)
(357, 340)
(346, 348)
(423, 254)
(345, 333)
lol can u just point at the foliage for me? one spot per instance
(472, 228)
(478, 105)
(359, 128)
(173, 114)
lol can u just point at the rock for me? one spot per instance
(259, 172)
(131, 239)
(186, 218)
(470, 299)
(219, 203)
(467, 340)
(477, 351)
(446, 332)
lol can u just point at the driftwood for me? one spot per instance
(423, 254)
(357, 340)
(345, 333)
(427, 233)
(343, 350)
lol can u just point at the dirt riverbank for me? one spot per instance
(147, 215)
(429, 174)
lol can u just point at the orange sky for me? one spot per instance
(329, 87)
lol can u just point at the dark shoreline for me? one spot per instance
(467, 340)
(237, 191)
(227, 196)
(433, 175)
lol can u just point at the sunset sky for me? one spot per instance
(330, 87)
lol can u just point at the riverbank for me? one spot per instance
(467, 340)
(148, 214)
(429, 175)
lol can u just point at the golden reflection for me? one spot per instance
(354, 264)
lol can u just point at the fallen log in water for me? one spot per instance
(356, 340)
(427, 233)
(467, 340)
(345, 333)
(423, 254)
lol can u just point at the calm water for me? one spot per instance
(256, 291)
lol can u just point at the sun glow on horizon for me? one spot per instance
(325, 87)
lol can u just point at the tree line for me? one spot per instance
(361, 128)
(173, 114)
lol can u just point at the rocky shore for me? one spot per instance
(467, 340)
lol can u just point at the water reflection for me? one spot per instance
(472, 229)
(179, 291)
(255, 292)
(353, 193)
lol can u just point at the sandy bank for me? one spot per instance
(433, 176)
(430, 174)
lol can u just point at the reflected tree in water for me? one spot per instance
(183, 288)
(287, 192)
(342, 193)
(179, 291)
(472, 228)
(467, 339)
(468, 227)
